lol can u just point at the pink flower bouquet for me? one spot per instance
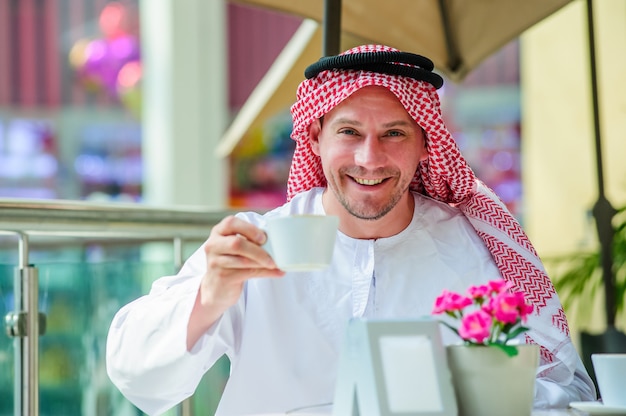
(488, 314)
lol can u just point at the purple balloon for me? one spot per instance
(104, 58)
(124, 49)
(95, 55)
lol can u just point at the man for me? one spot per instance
(373, 150)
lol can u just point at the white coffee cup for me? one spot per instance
(301, 242)
(610, 372)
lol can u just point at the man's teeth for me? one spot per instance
(368, 181)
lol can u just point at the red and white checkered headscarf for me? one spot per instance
(445, 176)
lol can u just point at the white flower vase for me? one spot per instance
(487, 382)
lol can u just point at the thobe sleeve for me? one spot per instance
(556, 389)
(147, 357)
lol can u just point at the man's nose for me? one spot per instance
(370, 153)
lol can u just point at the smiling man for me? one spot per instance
(369, 148)
(373, 150)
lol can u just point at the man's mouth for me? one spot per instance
(368, 182)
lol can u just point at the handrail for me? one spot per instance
(64, 218)
(90, 220)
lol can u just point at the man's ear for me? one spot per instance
(314, 132)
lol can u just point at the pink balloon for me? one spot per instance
(129, 87)
(119, 18)
(129, 76)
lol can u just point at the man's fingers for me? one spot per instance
(232, 261)
(234, 268)
(232, 225)
(261, 272)
(237, 251)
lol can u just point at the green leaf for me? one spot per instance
(510, 350)
(516, 332)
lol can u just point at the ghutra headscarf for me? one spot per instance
(444, 176)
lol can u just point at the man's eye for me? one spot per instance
(395, 133)
(347, 131)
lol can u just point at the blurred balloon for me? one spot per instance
(118, 19)
(93, 62)
(129, 87)
(78, 54)
(111, 64)
(124, 49)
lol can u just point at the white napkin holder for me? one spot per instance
(393, 368)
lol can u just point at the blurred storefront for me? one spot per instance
(65, 129)
(71, 129)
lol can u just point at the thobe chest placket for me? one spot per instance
(362, 275)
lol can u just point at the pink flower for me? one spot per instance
(449, 302)
(490, 314)
(509, 307)
(525, 309)
(499, 286)
(476, 326)
(479, 292)
(504, 307)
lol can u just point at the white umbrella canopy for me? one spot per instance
(457, 35)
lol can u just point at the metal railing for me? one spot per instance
(93, 222)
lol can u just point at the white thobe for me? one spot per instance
(283, 336)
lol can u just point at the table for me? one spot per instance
(549, 412)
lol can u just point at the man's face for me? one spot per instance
(370, 148)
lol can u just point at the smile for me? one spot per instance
(368, 182)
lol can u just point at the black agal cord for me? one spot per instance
(386, 62)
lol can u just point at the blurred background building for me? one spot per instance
(71, 105)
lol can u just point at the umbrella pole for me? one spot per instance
(454, 59)
(332, 27)
(602, 210)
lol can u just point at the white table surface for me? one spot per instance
(326, 410)
(550, 412)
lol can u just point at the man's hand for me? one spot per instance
(233, 255)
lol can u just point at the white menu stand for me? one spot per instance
(393, 368)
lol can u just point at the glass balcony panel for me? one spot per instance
(81, 287)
